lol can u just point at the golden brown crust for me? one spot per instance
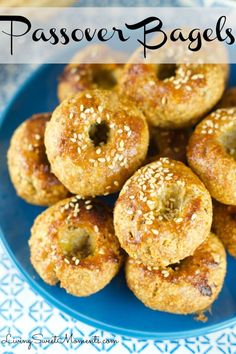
(28, 165)
(211, 154)
(168, 143)
(79, 75)
(86, 162)
(74, 242)
(176, 101)
(163, 213)
(228, 99)
(187, 287)
(224, 225)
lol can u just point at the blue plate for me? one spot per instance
(115, 308)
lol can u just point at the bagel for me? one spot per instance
(95, 141)
(211, 154)
(81, 75)
(187, 287)
(224, 225)
(28, 165)
(168, 143)
(173, 95)
(163, 213)
(73, 242)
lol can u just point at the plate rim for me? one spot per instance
(76, 315)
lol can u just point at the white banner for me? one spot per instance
(138, 34)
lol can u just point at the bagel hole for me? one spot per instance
(76, 242)
(165, 71)
(98, 133)
(171, 203)
(104, 79)
(228, 140)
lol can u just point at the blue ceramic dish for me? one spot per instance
(115, 308)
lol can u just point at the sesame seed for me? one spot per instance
(77, 261)
(96, 229)
(88, 95)
(122, 143)
(37, 137)
(116, 183)
(179, 220)
(155, 232)
(88, 207)
(126, 128)
(163, 100)
(165, 273)
(66, 261)
(98, 151)
(129, 212)
(151, 83)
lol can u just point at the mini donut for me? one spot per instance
(163, 213)
(187, 287)
(211, 154)
(168, 143)
(80, 75)
(224, 225)
(228, 99)
(95, 141)
(173, 95)
(28, 165)
(73, 242)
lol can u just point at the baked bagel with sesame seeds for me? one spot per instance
(168, 143)
(211, 154)
(163, 213)
(95, 141)
(28, 165)
(224, 225)
(73, 242)
(173, 95)
(187, 287)
(81, 74)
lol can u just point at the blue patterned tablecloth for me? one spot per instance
(23, 312)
